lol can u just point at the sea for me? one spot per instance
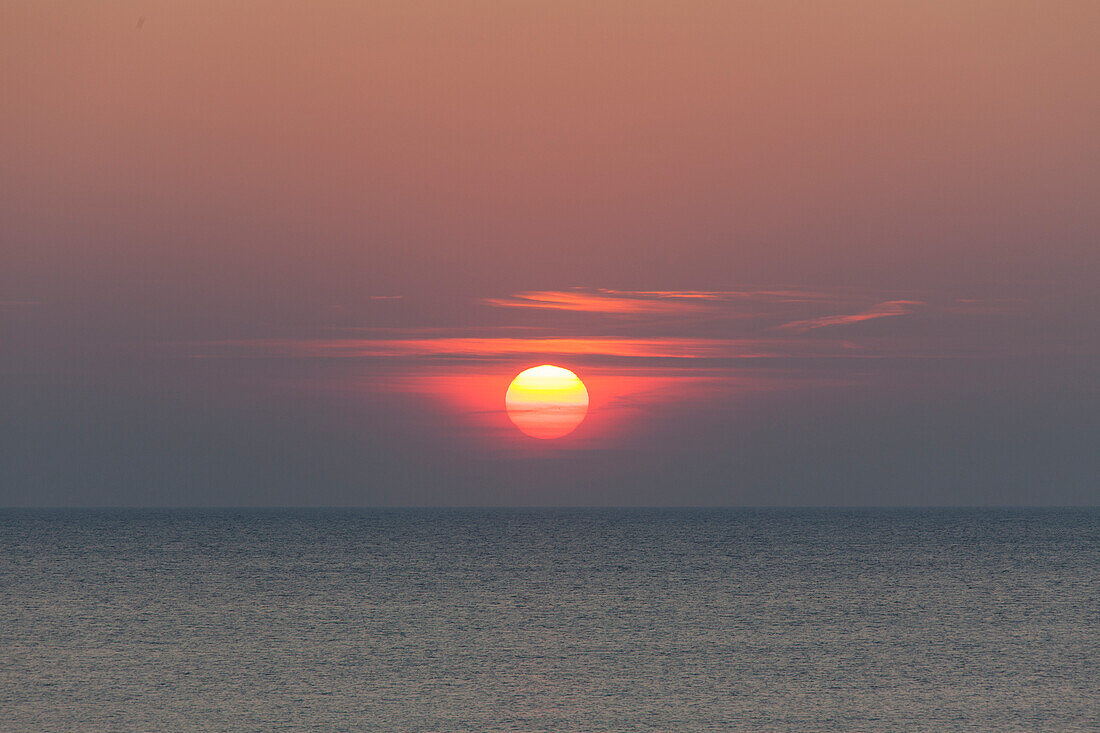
(550, 620)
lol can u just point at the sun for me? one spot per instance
(547, 401)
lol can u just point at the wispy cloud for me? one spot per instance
(683, 328)
(782, 295)
(593, 302)
(888, 309)
(489, 348)
(635, 302)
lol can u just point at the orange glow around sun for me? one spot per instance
(547, 401)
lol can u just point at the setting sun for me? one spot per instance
(547, 401)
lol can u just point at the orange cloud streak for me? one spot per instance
(882, 310)
(631, 302)
(591, 303)
(498, 347)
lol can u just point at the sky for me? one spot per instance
(800, 254)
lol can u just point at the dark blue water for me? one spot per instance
(570, 620)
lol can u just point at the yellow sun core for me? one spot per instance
(547, 401)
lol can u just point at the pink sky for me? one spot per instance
(877, 217)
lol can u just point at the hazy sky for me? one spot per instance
(269, 253)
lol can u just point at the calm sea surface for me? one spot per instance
(550, 620)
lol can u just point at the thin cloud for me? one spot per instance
(888, 309)
(698, 334)
(592, 302)
(650, 302)
(673, 348)
(719, 296)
